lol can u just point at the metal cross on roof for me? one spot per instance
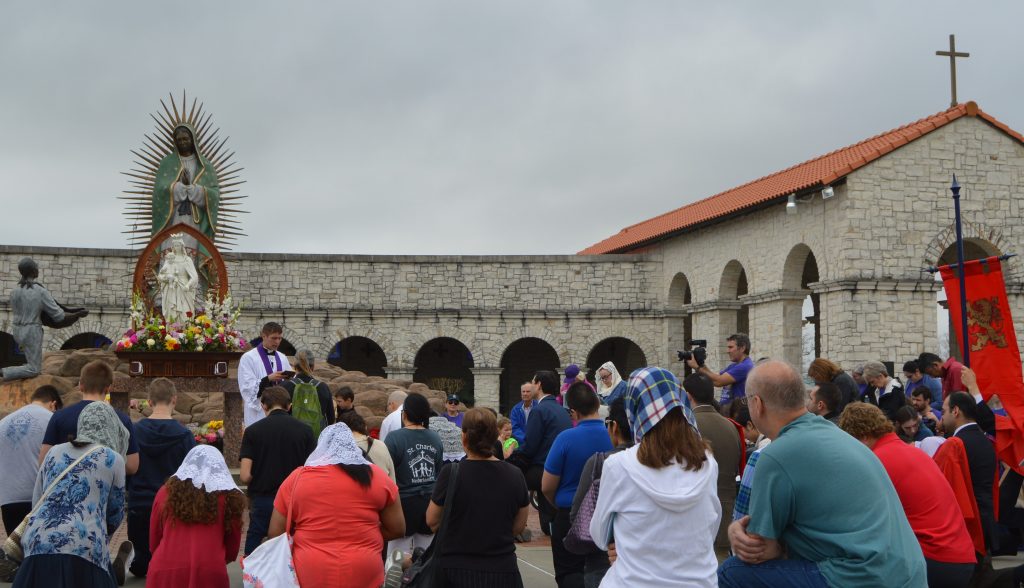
(952, 54)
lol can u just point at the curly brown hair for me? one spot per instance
(864, 421)
(189, 504)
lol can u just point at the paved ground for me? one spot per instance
(534, 559)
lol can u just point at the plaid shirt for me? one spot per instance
(741, 507)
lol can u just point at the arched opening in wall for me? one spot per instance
(88, 340)
(359, 354)
(285, 347)
(680, 326)
(973, 249)
(625, 354)
(446, 364)
(519, 362)
(799, 271)
(732, 286)
(10, 353)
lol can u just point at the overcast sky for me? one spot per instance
(469, 127)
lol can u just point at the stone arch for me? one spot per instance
(446, 363)
(555, 339)
(732, 286)
(679, 322)
(405, 353)
(286, 347)
(801, 331)
(378, 336)
(86, 340)
(974, 248)
(679, 293)
(356, 353)
(623, 352)
(54, 339)
(519, 361)
(990, 239)
(10, 354)
(733, 282)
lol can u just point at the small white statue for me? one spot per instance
(178, 280)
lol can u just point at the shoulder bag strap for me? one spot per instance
(449, 497)
(66, 471)
(291, 502)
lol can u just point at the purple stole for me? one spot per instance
(266, 359)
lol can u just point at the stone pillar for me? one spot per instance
(776, 322)
(487, 386)
(876, 320)
(400, 372)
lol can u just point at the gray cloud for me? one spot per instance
(469, 127)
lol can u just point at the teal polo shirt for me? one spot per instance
(828, 499)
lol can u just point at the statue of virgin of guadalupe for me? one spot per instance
(185, 188)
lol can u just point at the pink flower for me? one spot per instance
(211, 437)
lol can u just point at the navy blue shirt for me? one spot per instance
(63, 426)
(547, 420)
(570, 452)
(163, 443)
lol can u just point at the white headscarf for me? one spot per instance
(602, 389)
(205, 467)
(336, 446)
(451, 438)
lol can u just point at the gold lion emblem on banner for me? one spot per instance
(985, 323)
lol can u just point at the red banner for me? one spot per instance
(994, 354)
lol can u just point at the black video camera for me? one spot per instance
(698, 352)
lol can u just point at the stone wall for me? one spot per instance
(571, 303)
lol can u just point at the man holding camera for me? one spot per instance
(733, 378)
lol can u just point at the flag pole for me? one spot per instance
(965, 347)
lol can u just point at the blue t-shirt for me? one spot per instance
(456, 420)
(570, 452)
(64, 425)
(739, 372)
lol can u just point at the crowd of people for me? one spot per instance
(861, 480)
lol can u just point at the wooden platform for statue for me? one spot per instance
(178, 364)
(124, 388)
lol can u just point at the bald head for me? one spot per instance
(779, 386)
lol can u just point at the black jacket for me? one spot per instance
(981, 459)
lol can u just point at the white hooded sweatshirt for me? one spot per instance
(663, 522)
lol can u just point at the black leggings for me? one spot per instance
(948, 575)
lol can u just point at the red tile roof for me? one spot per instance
(816, 173)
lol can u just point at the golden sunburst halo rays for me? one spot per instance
(158, 145)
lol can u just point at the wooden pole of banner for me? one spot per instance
(965, 345)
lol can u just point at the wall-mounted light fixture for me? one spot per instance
(791, 204)
(827, 193)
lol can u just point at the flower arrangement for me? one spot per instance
(209, 434)
(212, 328)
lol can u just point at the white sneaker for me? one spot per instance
(393, 571)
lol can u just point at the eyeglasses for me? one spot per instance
(453, 402)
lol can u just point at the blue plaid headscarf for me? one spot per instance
(652, 392)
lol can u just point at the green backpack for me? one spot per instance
(306, 405)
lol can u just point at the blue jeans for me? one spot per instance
(795, 573)
(260, 509)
